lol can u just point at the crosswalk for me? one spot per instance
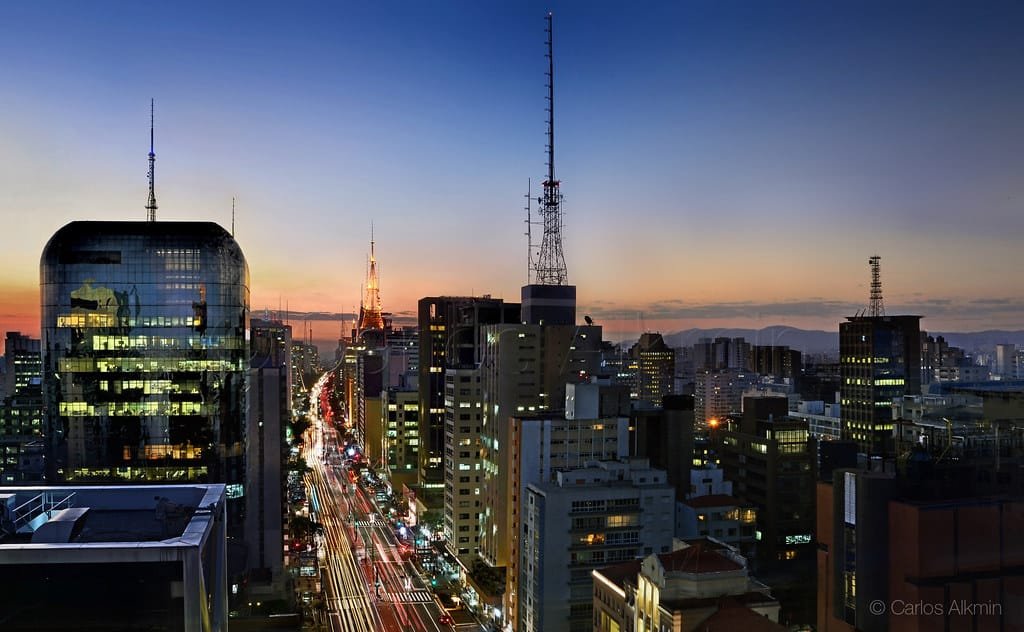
(407, 596)
(377, 521)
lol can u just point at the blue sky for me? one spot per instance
(741, 156)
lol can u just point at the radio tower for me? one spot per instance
(550, 266)
(151, 203)
(876, 307)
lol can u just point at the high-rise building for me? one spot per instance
(449, 329)
(144, 353)
(23, 365)
(462, 465)
(719, 393)
(401, 435)
(21, 410)
(268, 412)
(656, 364)
(880, 360)
(780, 362)
(584, 519)
(721, 353)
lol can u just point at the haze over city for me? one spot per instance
(722, 164)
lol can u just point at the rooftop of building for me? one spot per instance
(620, 573)
(701, 555)
(139, 515)
(88, 234)
(715, 500)
(738, 617)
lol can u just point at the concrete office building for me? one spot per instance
(144, 353)
(880, 360)
(113, 558)
(585, 519)
(940, 533)
(665, 436)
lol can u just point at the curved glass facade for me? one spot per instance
(144, 352)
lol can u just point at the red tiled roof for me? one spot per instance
(738, 618)
(699, 557)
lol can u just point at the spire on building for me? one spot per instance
(151, 203)
(549, 268)
(876, 307)
(371, 314)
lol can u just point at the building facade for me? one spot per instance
(880, 360)
(144, 352)
(585, 519)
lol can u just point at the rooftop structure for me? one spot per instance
(62, 549)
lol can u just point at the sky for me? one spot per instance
(724, 164)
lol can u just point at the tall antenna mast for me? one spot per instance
(550, 266)
(876, 307)
(529, 231)
(232, 216)
(151, 203)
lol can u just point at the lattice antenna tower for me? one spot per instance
(151, 203)
(876, 307)
(531, 248)
(550, 266)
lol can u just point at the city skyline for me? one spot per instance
(722, 165)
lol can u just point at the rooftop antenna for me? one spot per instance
(550, 266)
(151, 203)
(232, 216)
(876, 306)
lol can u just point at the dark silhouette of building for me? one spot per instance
(656, 363)
(770, 459)
(665, 436)
(449, 329)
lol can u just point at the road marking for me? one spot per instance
(408, 596)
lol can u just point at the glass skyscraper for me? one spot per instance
(144, 353)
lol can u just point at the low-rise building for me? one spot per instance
(703, 586)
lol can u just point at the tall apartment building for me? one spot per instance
(880, 360)
(21, 410)
(449, 338)
(584, 519)
(401, 440)
(524, 370)
(144, 353)
(721, 353)
(719, 393)
(463, 404)
(268, 413)
(23, 363)
(780, 362)
(655, 368)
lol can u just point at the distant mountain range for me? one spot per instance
(816, 341)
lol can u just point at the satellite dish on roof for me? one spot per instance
(589, 320)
